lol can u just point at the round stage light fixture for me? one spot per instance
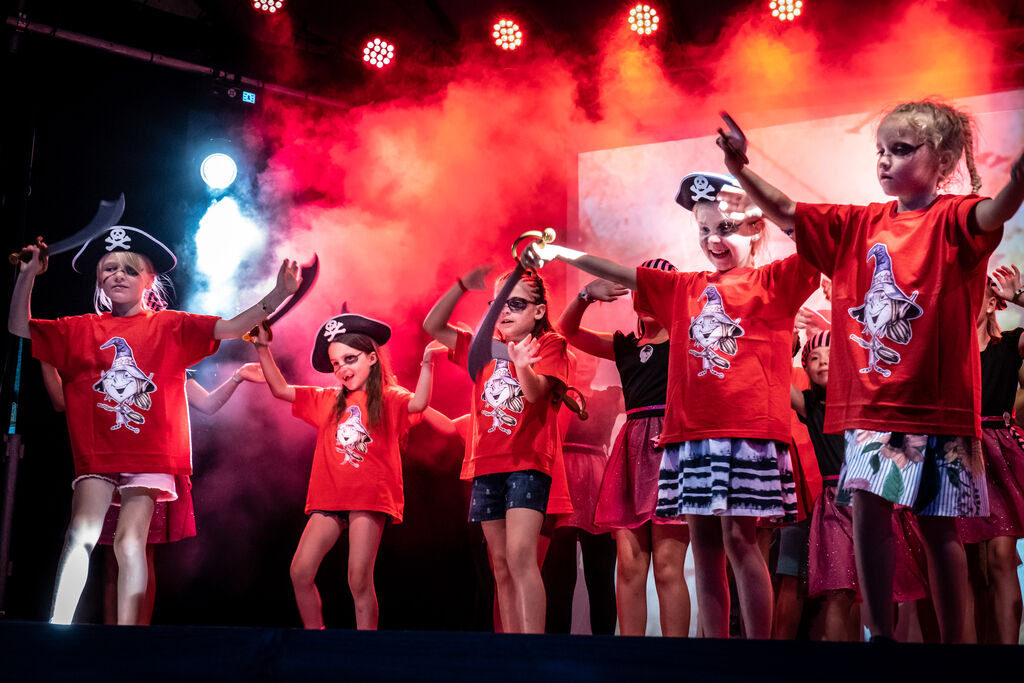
(786, 10)
(218, 171)
(268, 6)
(643, 19)
(507, 34)
(378, 53)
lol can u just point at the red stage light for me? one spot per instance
(643, 19)
(378, 53)
(270, 6)
(786, 10)
(507, 35)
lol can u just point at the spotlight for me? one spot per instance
(218, 171)
(268, 6)
(378, 53)
(643, 19)
(507, 35)
(785, 10)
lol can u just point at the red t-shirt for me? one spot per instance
(906, 288)
(124, 386)
(356, 466)
(507, 432)
(731, 343)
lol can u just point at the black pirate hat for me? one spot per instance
(346, 323)
(123, 238)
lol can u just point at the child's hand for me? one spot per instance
(810, 320)
(433, 348)
(263, 334)
(734, 144)
(475, 279)
(1007, 282)
(251, 372)
(525, 353)
(39, 262)
(288, 277)
(605, 290)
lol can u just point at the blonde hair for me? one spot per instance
(153, 298)
(739, 207)
(945, 129)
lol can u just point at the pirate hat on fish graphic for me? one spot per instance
(346, 323)
(355, 422)
(123, 238)
(714, 308)
(884, 283)
(124, 360)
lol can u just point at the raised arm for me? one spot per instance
(20, 313)
(796, 399)
(275, 380)
(209, 402)
(537, 254)
(1008, 287)
(778, 207)
(436, 322)
(287, 283)
(595, 343)
(425, 383)
(992, 213)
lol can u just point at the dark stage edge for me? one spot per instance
(36, 651)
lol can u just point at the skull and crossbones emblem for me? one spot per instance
(118, 239)
(332, 329)
(702, 189)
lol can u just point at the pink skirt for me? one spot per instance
(171, 521)
(629, 490)
(1004, 472)
(832, 566)
(584, 469)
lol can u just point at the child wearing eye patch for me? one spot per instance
(727, 428)
(122, 375)
(908, 277)
(514, 447)
(356, 479)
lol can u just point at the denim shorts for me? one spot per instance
(493, 494)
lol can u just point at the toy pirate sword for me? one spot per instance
(108, 214)
(309, 274)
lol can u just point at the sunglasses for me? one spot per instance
(514, 304)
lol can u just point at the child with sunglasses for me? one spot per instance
(514, 447)
(356, 478)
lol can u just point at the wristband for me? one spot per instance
(584, 296)
(461, 285)
(1017, 294)
(236, 379)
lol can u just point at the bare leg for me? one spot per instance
(712, 583)
(634, 559)
(669, 543)
(364, 532)
(88, 508)
(522, 529)
(109, 586)
(319, 536)
(947, 575)
(789, 607)
(505, 592)
(753, 583)
(146, 613)
(130, 548)
(1005, 588)
(872, 547)
(839, 608)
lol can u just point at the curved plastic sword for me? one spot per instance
(108, 214)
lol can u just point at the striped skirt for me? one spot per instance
(741, 477)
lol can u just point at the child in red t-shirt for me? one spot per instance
(908, 277)
(123, 376)
(727, 426)
(514, 447)
(356, 478)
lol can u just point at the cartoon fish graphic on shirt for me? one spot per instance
(714, 332)
(352, 438)
(125, 385)
(503, 395)
(886, 314)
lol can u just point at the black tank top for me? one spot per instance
(828, 448)
(643, 370)
(1000, 363)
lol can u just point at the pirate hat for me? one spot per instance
(704, 186)
(823, 338)
(124, 360)
(883, 282)
(123, 238)
(346, 323)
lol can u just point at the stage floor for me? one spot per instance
(36, 651)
